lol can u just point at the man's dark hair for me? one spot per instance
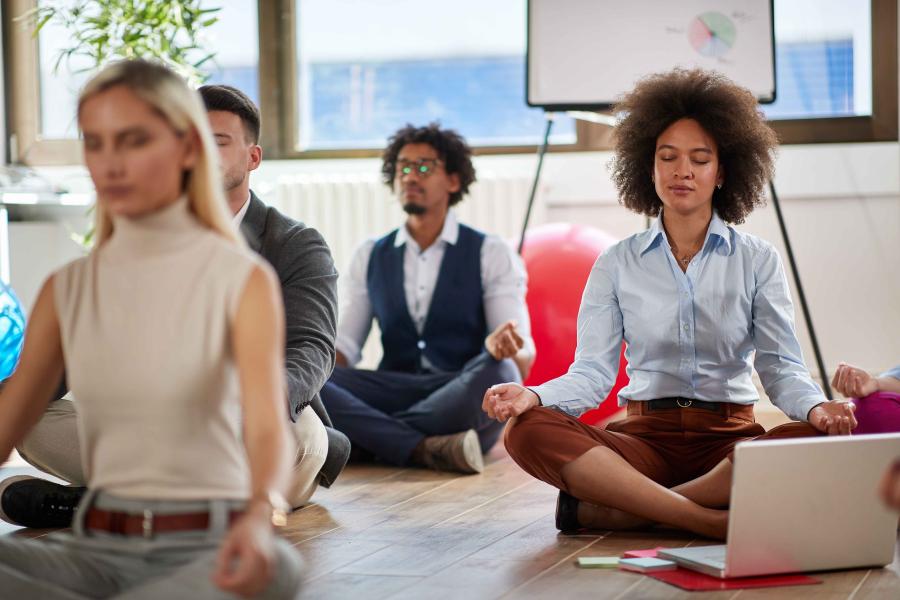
(233, 100)
(725, 110)
(451, 148)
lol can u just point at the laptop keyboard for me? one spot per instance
(715, 556)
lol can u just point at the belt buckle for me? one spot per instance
(147, 524)
(679, 401)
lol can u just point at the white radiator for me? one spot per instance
(349, 209)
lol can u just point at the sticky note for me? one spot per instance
(598, 562)
(646, 565)
(651, 553)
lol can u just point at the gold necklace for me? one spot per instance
(684, 260)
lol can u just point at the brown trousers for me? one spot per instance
(670, 446)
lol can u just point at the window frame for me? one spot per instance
(278, 96)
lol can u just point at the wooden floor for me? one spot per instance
(383, 532)
(389, 533)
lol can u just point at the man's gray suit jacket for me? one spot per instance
(305, 268)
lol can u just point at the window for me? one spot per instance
(45, 97)
(235, 64)
(235, 39)
(336, 77)
(354, 87)
(462, 65)
(823, 61)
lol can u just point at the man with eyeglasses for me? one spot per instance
(450, 304)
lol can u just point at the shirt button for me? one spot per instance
(421, 344)
(687, 328)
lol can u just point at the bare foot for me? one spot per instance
(594, 516)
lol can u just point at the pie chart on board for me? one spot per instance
(712, 34)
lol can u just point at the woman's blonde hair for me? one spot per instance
(182, 107)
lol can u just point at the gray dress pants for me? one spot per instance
(90, 564)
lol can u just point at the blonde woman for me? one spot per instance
(171, 336)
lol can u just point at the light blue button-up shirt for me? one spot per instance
(694, 334)
(895, 372)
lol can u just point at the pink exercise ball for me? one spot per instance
(559, 258)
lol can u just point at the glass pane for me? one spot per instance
(365, 69)
(235, 40)
(235, 63)
(59, 88)
(823, 59)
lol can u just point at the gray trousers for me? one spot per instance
(52, 446)
(89, 564)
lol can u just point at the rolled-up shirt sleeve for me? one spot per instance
(895, 372)
(355, 316)
(779, 360)
(505, 283)
(593, 373)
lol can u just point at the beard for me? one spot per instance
(234, 178)
(411, 208)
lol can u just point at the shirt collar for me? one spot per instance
(653, 234)
(240, 214)
(717, 228)
(449, 233)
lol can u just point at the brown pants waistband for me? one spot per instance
(727, 409)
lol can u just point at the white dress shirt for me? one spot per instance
(503, 280)
(239, 217)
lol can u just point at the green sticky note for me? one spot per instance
(598, 562)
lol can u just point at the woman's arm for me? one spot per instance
(26, 393)
(592, 374)
(258, 343)
(246, 557)
(779, 361)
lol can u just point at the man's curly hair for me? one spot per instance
(452, 149)
(728, 112)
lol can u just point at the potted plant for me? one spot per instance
(170, 31)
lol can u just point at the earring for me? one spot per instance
(719, 186)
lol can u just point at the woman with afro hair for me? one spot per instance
(699, 305)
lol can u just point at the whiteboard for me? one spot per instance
(584, 54)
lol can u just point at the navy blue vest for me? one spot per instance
(455, 326)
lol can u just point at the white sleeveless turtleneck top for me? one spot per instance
(145, 321)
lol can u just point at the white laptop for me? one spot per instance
(807, 504)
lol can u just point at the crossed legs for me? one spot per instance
(625, 481)
(617, 496)
(52, 447)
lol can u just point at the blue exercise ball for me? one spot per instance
(12, 330)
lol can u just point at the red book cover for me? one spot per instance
(694, 581)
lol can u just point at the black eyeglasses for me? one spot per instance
(423, 167)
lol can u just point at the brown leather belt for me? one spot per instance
(670, 403)
(147, 523)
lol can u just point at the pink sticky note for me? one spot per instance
(651, 553)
